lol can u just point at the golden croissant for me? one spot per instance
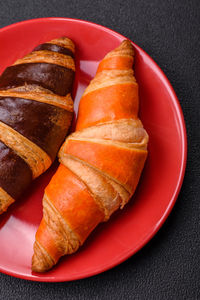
(100, 163)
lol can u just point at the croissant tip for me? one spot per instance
(38, 267)
(41, 261)
(64, 38)
(126, 44)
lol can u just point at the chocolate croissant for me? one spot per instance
(101, 162)
(36, 110)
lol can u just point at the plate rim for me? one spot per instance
(179, 182)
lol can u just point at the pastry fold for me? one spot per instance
(36, 110)
(101, 162)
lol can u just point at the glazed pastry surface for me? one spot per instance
(36, 110)
(101, 162)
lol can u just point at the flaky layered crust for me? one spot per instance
(101, 162)
(35, 113)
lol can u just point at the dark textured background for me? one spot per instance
(169, 266)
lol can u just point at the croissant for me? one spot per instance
(36, 110)
(101, 162)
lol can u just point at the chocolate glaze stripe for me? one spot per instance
(43, 124)
(54, 48)
(65, 102)
(15, 175)
(47, 57)
(55, 78)
(33, 155)
(5, 200)
(63, 42)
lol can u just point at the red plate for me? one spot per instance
(127, 231)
